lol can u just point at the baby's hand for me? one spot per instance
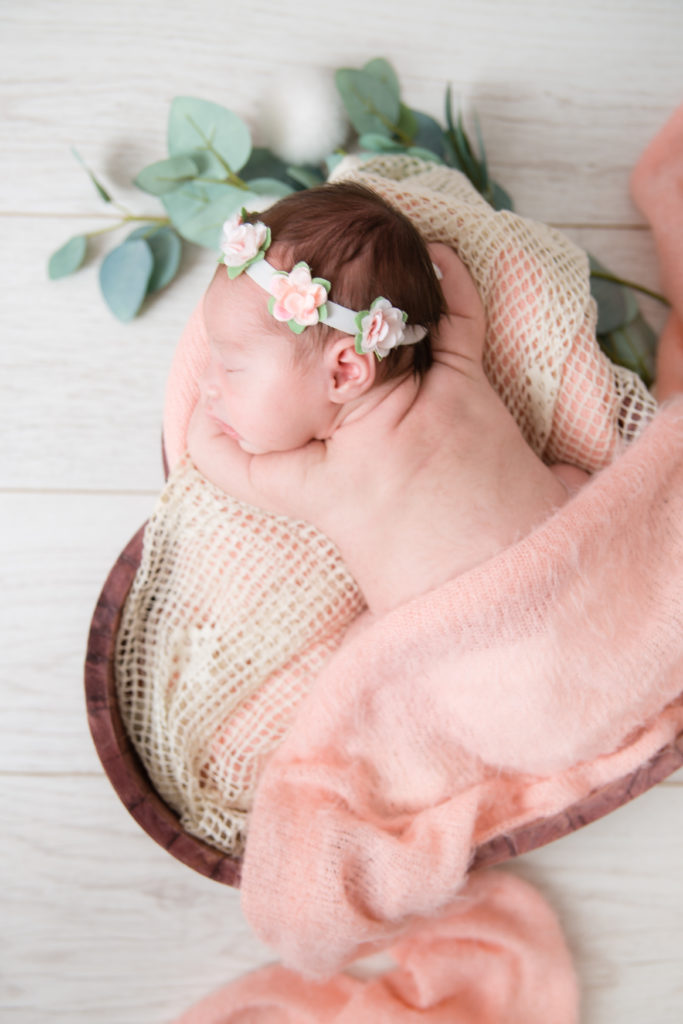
(461, 332)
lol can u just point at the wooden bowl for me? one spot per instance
(130, 780)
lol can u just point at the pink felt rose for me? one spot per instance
(381, 328)
(297, 296)
(241, 242)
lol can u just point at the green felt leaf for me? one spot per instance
(68, 258)
(187, 207)
(269, 187)
(166, 175)
(382, 69)
(166, 252)
(124, 277)
(198, 125)
(617, 306)
(371, 104)
(99, 187)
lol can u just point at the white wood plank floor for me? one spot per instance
(98, 924)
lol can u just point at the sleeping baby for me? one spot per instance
(345, 387)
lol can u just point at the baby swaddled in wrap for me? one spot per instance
(568, 402)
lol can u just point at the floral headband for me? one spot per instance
(300, 300)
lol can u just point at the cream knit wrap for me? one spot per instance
(233, 612)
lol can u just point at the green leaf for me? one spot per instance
(195, 124)
(617, 305)
(633, 346)
(428, 134)
(124, 277)
(382, 69)
(99, 187)
(67, 259)
(407, 126)
(166, 252)
(309, 177)
(200, 221)
(371, 104)
(186, 204)
(166, 175)
(377, 143)
(424, 154)
(269, 187)
(499, 198)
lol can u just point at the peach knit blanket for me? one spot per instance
(495, 699)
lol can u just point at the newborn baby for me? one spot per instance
(369, 416)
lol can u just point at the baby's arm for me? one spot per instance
(276, 482)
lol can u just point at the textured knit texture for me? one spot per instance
(498, 957)
(480, 706)
(570, 402)
(218, 644)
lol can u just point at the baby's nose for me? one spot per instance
(211, 391)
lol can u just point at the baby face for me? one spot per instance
(253, 388)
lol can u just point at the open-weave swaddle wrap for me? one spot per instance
(218, 644)
(541, 355)
(570, 402)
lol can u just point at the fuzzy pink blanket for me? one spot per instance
(491, 701)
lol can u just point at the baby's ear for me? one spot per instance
(349, 373)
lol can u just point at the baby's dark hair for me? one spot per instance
(351, 237)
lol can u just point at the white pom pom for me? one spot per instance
(302, 117)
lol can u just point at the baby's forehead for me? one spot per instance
(236, 304)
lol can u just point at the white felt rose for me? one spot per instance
(241, 242)
(381, 328)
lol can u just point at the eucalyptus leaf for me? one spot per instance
(377, 143)
(371, 104)
(166, 252)
(424, 154)
(269, 187)
(99, 187)
(499, 198)
(195, 124)
(308, 177)
(263, 163)
(617, 306)
(124, 277)
(382, 69)
(428, 133)
(166, 175)
(68, 258)
(204, 226)
(188, 202)
(407, 126)
(633, 346)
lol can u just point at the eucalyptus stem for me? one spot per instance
(604, 275)
(128, 219)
